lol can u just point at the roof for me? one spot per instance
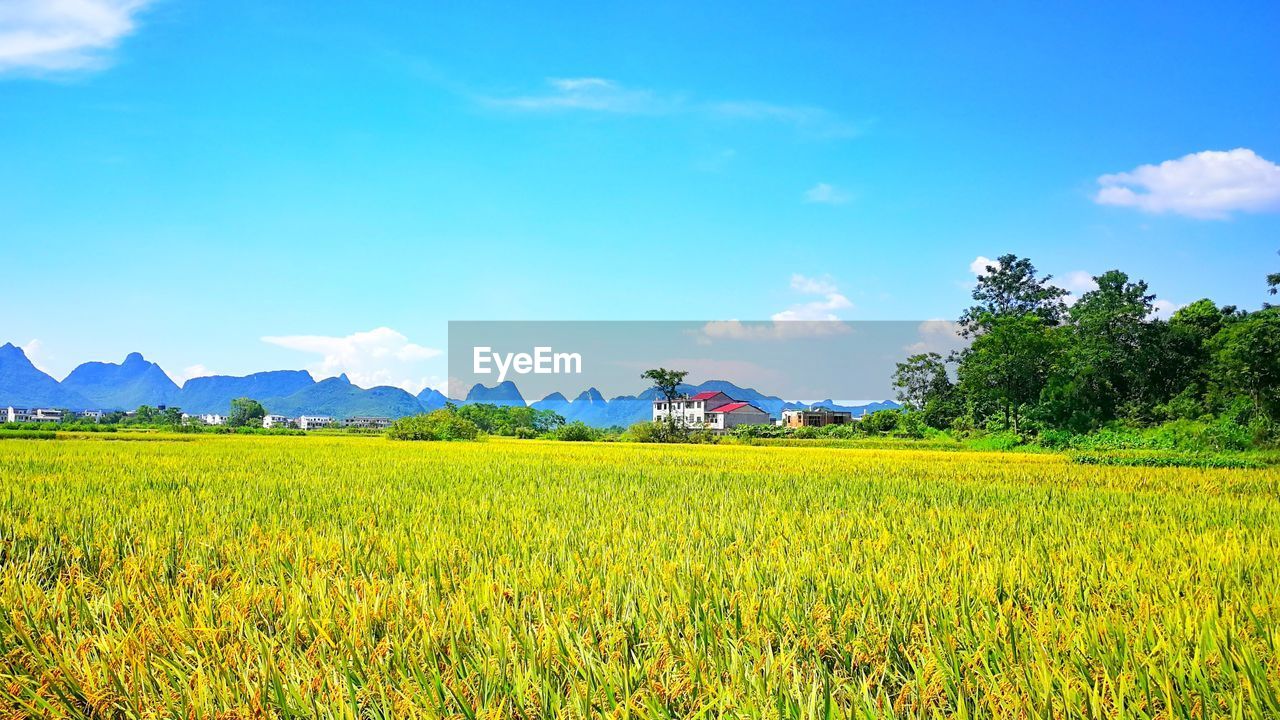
(734, 406)
(706, 395)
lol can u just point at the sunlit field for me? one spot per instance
(359, 577)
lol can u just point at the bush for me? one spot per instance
(664, 432)
(526, 433)
(576, 431)
(881, 421)
(437, 425)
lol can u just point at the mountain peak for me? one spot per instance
(590, 395)
(133, 358)
(343, 377)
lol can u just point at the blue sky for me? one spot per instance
(187, 178)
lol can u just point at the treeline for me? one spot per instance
(469, 422)
(1038, 364)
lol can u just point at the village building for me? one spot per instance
(282, 421)
(709, 410)
(311, 422)
(368, 423)
(815, 417)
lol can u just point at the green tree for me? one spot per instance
(924, 386)
(1106, 356)
(665, 381)
(246, 412)
(1007, 366)
(1246, 356)
(919, 378)
(1012, 287)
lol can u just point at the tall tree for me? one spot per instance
(1012, 287)
(1247, 360)
(923, 385)
(1107, 359)
(1007, 366)
(246, 412)
(665, 381)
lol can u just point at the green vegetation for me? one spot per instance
(246, 412)
(510, 421)
(353, 577)
(443, 424)
(1039, 368)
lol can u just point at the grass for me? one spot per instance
(245, 576)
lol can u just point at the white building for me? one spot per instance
(17, 415)
(727, 417)
(689, 411)
(46, 415)
(94, 415)
(368, 423)
(276, 421)
(711, 410)
(311, 422)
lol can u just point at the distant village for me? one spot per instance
(303, 422)
(715, 411)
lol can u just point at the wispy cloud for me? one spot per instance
(61, 35)
(588, 93)
(602, 95)
(825, 307)
(815, 318)
(826, 194)
(1207, 185)
(377, 357)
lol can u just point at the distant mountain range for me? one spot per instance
(136, 381)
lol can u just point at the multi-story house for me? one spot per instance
(711, 410)
(311, 422)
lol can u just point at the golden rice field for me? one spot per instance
(356, 577)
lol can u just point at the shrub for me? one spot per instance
(576, 431)
(437, 425)
(882, 421)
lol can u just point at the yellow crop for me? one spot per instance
(242, 577)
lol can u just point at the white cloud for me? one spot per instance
(1207, 185)
(589, 93)
(813, 286)
(1164, 309)
(940, 336)
(34, 350)
(816, 318)
(1076, 282)
(816, 120)
(979, 265)
(815, 310)
(55, 35)
(777, 329)
(826, 194)
(602, 95)
(377, 357)
(191, 371)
